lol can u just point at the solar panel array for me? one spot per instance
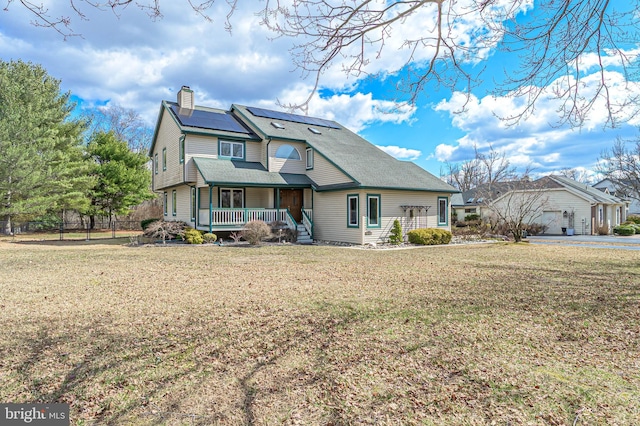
(208, 120)
(285, 116)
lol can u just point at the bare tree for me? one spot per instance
(577, 174)
(482, 169)
(519, 205)
(621, 165)
(125, 123)
(558, 42)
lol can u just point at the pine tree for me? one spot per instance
(42, 169)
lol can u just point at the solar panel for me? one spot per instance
(285, 116)
(208, 120)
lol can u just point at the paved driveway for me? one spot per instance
(593, 241)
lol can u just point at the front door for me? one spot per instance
(292, 199)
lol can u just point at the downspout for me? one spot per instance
(210, 209)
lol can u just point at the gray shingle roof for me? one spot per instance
(243, 173)
(366, 164)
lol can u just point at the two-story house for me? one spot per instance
(219, 169)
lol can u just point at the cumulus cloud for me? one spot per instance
(401, 153)
(535, 140)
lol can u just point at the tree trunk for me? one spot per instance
(7, 226)
(92, 221)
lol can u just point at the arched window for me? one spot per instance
(287, 152)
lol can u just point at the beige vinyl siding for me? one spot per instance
(198, 146)
(307, 199)
(168, 137)
(282, 165)
(330, 214)
(258, 197)
(561, 200)
(183, 204)
(253, 152)
(330, 218)
(325, 173)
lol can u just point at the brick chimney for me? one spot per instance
(186, 98)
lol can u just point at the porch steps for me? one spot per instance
(303, 235)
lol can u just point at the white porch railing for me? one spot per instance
(237, 218)
(306, 221)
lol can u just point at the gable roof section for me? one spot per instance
(243, 173)
(488, 192)
(367, 165)
(203, 121)
(593, 194)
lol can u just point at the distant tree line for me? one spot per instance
(52, 161)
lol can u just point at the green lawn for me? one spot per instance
(470, 335)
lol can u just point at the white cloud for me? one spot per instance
(401, 153)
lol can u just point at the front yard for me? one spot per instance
(504, 333)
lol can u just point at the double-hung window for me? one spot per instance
(352, 211)
(443, 211)
(373, 210)
(230, 149)
(231, 198)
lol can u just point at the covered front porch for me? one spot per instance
(234, 219)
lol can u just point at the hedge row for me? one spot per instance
(429, 236)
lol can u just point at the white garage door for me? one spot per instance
(553, 221)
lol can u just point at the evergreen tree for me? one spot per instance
(42, 168)
(122, 177)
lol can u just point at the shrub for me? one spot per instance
(472, 217)
(165, 230)
(396, 233)
(536, 229)
(635, 218)
(429, 236)
(602, 230)
(193, 236)
(144, 224)
(624, 230)
(255, 230)
(209, 238)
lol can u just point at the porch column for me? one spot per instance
(211, 209)
(277, 203)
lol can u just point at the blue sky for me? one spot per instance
(135, 62)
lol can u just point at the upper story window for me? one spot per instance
(181, 149)
(164, 158)
(309, 153)
(230, 149)
(287, 152)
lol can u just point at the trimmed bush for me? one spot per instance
(144, 224)
(193, 236)
(396, 233)
(255, 231)
(429, 236)
(472, 217)
(209, 238)
(624, 230)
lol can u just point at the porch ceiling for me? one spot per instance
(229, 172)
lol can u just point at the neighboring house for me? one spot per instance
(623, 190)
(567, 206)
(219, 169)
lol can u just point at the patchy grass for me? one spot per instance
(504, 333)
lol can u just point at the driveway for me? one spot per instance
(592, 241)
